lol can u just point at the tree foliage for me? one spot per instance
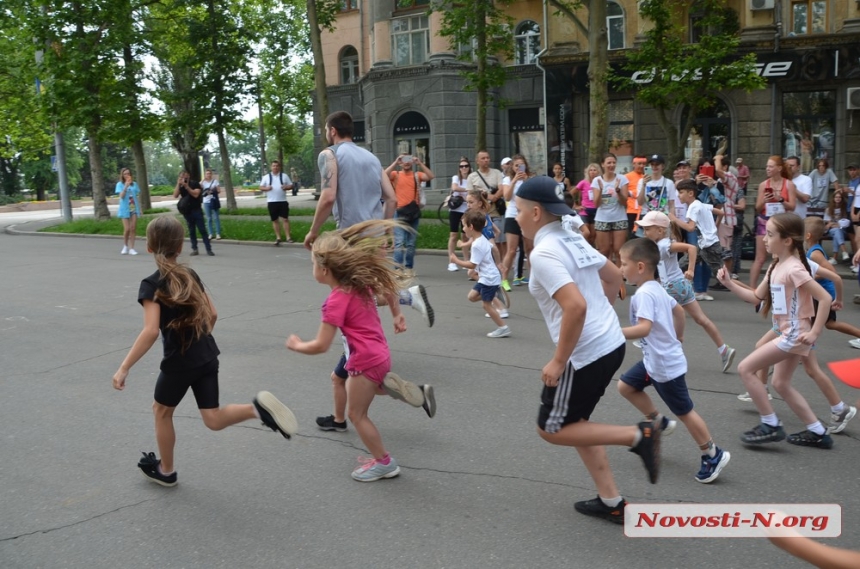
(680, 73)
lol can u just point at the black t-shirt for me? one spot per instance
(201, 351)
(196, 203)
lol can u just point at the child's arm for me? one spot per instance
(818, 554)
(318, 345)
(145, 340)
(610, 276)
(640, 330)
(831, 275)
(679, 319)
(741, 291)
(824, 302)
(719, 213)
(584, 231)
(460, 263)
(691, 250)
(686, 225)
(573, 308)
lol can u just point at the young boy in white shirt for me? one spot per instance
(700, 216)
(489, 277)
(659, 321)
(575, 287)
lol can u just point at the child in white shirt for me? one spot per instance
(700, 216)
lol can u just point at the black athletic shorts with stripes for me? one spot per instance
(577, 392)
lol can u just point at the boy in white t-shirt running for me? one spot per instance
(489, 277)
(700, 217)
(658, 320)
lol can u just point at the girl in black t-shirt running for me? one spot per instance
(176, 305)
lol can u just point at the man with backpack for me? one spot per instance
(276, 184)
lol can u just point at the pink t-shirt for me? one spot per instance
(792, 306)
(357, 318)
(584, 187)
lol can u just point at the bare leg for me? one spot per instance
(277, 230)
(286, 224)
(165, 435)
(839, 326)
(223, 417)
(338, 388)
(494, 314)
(132, 230)
(762, 358)
(597, 463)
(513, 242)
(360, 393)
(639, 399)
(758, 263)
(604, 243)
(618, 240)
(699, 317)
(782, 372)
(696, 426)
(813, 370)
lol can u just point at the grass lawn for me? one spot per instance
(431, 235)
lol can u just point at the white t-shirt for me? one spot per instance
(210, 185)
(669, 269)
(559, 258)
(511, 211)
(700, 214)
(658, 194)
(278, 181)
(663, 354)
(610, 209)
(455, 181)
(482, 256)
(572, 222)
(803, 183)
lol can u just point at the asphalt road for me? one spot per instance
(478, 487)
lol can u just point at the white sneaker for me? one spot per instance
(845, 256)
(210, 236)
(701, 297)
(832, 260)
(745, 396)
(453, 267)
(124, 250)
(840, 420)
(734, 276)
(422, 304)
(502, 332)
(855, 268)
(637, 344)
(855, 343)
(502, 314)
(132, 252)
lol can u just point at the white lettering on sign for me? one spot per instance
(772, 69)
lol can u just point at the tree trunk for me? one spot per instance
(598, 65)
(100, 207)
(263, 160)
(141, 174)
(319, 65)
(226, 175)
(481, 107)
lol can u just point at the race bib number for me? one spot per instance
(777, 299)
(772, 209)
(584, 254)
(591, 195)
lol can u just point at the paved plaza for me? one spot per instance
(478, 488)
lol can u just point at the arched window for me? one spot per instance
(615, 25)
(348, 65)
(526, 42)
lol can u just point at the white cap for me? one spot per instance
(505, 161)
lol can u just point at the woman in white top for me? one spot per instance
(211, 204)
(513, 235)
(610, 221)
(455, 214)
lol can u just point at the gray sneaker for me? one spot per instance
(502, 332)
(728, 357)
(372, 470)
(840, 420)
(422, 304)
(403, 390)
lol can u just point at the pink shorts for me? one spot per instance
(375, 374)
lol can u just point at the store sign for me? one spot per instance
(771, 69)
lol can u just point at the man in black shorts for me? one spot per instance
(276, 184)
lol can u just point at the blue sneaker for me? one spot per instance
(372, 470)
(711, 467)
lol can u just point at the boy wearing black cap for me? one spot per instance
(567, 275)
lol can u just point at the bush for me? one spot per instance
(161, 190)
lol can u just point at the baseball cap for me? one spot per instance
(851, 167)
(739, 160)
(682, 163)
(505, 161)
(657, 218)
(547, 192)
(657, 159)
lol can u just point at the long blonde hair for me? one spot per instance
(355, 256)
(179, 287)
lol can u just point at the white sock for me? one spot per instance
(722, 349)
(611, 502)
(838, 408)
(770, 420)
(636, 438)
(817, 428)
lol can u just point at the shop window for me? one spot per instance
(526, 42)
(809, 16)
(412, 136)
(711, 129)
(808, 126)
(348, 65)
(410, 40)
(348, 5)
(621, 133)
(615, 25)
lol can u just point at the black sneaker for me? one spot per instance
(595, 507)
(762, 433)
(429, 404)
(148, 465)
(210, 253)
(648, 449)
(275, 414)
(329, 424)
(193, 253)
(809, 439)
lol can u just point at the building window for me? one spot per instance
(809, 16)
(808, 126)
(621, 133)
(406, 4)
(348, 5)
(410, 40)
(526, 42)
(348, 65)
(615, 25)
(711, 129)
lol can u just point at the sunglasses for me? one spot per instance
(464, 166)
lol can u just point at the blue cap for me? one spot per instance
(547, 192)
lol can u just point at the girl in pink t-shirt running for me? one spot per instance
(351, 263)
(586, 197)
(788, 291)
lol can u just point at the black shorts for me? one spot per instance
(512, 226)
(279, 209)
(340, 368)
(203, 381)
(577, 392)
(831, 317)
(454, 218)
(590, 213)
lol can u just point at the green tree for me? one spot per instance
(687, 74)
(487, 29)
(321, 16)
